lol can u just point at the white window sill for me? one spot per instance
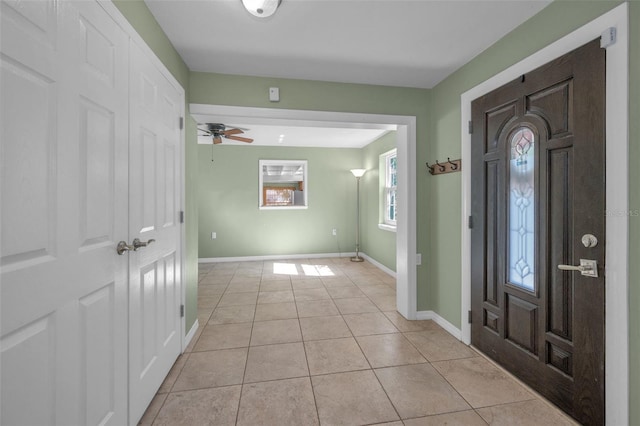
(386, 227)
(283, 207)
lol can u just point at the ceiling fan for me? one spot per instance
(219, 131)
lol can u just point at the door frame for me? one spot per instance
(617, 189)
(405, 126)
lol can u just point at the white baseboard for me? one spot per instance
(430, 315)
(296, 256)
(191, 333)
(272, 257)
(379, 265)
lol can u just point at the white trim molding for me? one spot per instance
(273, 257)
(405, 126)
(191, 334)
(617, 193)
(431, 315)
(385, 227)
(297, 256)
(378, 265)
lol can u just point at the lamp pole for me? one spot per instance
(358, 173)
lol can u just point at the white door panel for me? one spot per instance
(29, 79)
(64, 207)
(155, 297)
(88, 159)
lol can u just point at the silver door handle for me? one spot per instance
(122, 247)
(587, 267)
(138, 244)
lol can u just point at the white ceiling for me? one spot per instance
(301, 136)
(409, 43)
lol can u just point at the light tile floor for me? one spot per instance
(318, 342)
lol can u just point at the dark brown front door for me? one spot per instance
(537, 189)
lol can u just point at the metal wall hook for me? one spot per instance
(440, 166)
(454, 166)
(430, 168)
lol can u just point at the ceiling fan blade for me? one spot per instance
(238, 138)
(232, 132)
(217, 140)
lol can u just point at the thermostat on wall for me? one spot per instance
(274, 94)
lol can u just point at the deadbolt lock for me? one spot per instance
(589, 240)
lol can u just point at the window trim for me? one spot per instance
(305, 184)
(385, 222)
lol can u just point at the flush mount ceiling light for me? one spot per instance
(261, 8)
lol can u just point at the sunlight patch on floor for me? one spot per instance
(285, 269)
(317, 270)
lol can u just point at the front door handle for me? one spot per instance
(138, 244)
(587, 267)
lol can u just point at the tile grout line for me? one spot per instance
(371, 367)
(306, 358)
(187, 355)
(246, 363)
(378, 379)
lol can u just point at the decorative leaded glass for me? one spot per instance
(522, 209)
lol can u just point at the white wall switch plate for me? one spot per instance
(419, 259)
(213, 236)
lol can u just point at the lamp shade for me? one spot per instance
(261, 8)
(358, 172)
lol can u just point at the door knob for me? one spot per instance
(122, 247)
(587, 267)
(138, 244)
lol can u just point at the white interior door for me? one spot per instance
(64, 157)
(154, 193)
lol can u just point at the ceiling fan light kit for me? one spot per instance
(261, 8)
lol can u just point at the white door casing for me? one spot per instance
(155, 196)
(617, 190)
(64, 207)
(405, 126)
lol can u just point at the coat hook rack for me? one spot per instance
(447, 167)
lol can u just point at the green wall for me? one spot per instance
(139, 16)
(228, 195)
(375, 242)
(444, 215)
(228, 203)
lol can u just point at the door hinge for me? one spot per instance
(608, 37)
(469, 317)
(181, 216)
(181, 311)
(470, 222)
(470, 127)
(181, 123)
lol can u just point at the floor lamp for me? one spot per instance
(358, 173)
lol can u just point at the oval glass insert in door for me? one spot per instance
(522, 208)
